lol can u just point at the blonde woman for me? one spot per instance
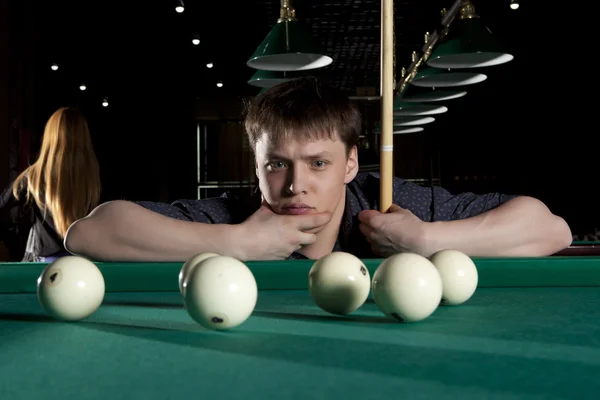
(63, 185)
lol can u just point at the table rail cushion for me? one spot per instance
(557, 271)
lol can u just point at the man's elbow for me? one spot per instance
(556, 231)
(75, 237)
(84, 232)
(562, 237)
(552, 233)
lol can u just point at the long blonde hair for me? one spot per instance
(65, 179)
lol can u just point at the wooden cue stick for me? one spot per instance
(387, 104)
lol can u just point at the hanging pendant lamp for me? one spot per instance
(288, 46)
(469, 44)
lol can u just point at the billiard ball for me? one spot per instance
(221, 293)
(188, 266)
(339, 283)
(459, 275)
(71, 288)
(407, 286)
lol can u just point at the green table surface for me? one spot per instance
(531, 331)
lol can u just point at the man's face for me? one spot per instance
(304, 177)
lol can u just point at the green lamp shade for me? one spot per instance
(431, 96)
(434, 77)
(415, 94)
(267, 79)
(412, 121)
(469, 44)
(403, 131)
(288, 47)
(402, 108)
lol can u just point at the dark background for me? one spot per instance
(518, 132)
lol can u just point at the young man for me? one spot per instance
(312, 200)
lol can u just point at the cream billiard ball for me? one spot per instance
(459, 275)
(71, 288)
(188, 266)
(339, 283)
(407, 287)
(221, 293)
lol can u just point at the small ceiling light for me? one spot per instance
(220, 84)
(54, 67)
(196, 40)
(514, 4)
(105, 102)
(210, 65)
(179, 7)
(82, 87)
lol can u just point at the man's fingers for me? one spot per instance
(264, 206)
(395, 208)
(307, 238)
(310, 221)
(366, 215)
(366, 230)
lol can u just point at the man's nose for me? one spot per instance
(298, 180)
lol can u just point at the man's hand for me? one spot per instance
(396, 231)
(269, 236)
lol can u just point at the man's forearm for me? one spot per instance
(124, 231)
(522, 227)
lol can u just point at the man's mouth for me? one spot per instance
(297, 209)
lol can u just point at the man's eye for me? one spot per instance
(319, 164)
(277, 165)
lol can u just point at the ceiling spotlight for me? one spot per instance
(179, 7)
(514, 4)
(209, 65)
(105, 102)
(82, 87)
(54, 67)
(220, 84)
(196, 40)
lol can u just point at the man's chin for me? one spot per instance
(307, 211)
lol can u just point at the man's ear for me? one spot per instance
(351, 165)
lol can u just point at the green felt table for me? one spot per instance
(531, 331)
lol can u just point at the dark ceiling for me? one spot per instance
(143, 50)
